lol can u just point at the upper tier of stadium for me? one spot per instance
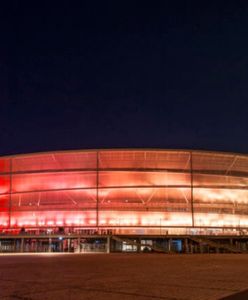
(125, 189)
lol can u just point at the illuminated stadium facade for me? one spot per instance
(131, 193)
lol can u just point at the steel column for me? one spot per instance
(10, 190)
(192, 189)
(97, 190)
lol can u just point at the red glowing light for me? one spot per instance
(147, 188)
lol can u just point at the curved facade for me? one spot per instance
(146, 191)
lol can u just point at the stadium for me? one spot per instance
(124, 200)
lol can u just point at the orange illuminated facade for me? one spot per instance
(142, 191)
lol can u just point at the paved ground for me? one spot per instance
(122, 276)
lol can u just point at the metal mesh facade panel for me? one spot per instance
(124, 188)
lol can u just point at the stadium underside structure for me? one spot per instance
(131, 192)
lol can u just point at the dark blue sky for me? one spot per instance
(170, 74)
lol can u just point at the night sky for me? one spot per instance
(168, 74)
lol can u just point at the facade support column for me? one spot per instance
(169, 245)
(191, 248)
(139, 245)
(97, 191)
(186, 246)
(108, 244)
(79, 245)
(22, 245)
(50, 245)
(10, 192)
(192, 189)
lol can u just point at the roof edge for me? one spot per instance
(125, 149)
